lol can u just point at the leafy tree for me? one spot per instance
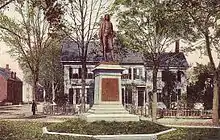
(144, 26)
(199, 22)
(27, 36)
(201, 89)
(53, 11)
(5, 3)
(169, 89)
(51, 71)
(81, 25)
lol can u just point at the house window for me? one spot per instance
(87, 96)
(179, 93)
(77, 96)
(125, 74)
(159, 97)
(140, 98)
(134, 73)
(89, 73)
(145, 76)
(129, 96)
(123, 95)
(126, 96)
(179, 73)
(71, 96)
(129, 73)
(70, 72)
(80, 73)
(164, 75)
(75, 74)
(137, 73)
(90, 96)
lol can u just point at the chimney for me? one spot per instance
(15, 75)
(7, 68)
(177, 46)
(12, 74)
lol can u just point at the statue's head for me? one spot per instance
(107, 17)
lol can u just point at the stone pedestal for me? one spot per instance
(107, 96)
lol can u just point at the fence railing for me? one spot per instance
(184, 113)
(138, 110)
(58, 110)
(169, 113)
(51, 109)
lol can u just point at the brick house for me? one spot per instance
(10, 86)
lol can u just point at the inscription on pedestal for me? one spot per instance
(110, 89)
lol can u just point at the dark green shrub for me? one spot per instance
(107, 128)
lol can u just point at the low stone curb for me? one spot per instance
(196, 126)
(113, 137)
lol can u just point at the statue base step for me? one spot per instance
(109, 112)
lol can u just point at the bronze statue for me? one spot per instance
(106, 35)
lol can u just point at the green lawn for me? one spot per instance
(107, 128)
(25, 130)
(192, 134)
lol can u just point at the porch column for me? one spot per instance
(132, 73)
(86, 97)
(74, 96)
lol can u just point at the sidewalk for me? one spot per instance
(23, 113)
(182, 122)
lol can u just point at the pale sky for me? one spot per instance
(5, 58)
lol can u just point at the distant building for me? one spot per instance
(27, 93)
(138, 72)
(10, 86)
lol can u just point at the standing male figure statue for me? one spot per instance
(106, 35)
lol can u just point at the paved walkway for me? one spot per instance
(182, 122)
(23, 113)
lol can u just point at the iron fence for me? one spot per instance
(185, 113)
(51, 109)
(169, 113)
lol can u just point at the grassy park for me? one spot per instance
(26, 130)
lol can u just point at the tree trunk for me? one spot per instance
(83, 86)
(34, 89)
(34, 85)
(154, 103)
(215, 116)
(53, 90)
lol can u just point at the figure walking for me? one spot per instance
(106, 35)
(34, 107)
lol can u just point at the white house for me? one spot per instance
(138, 73)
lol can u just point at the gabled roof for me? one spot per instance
(70, 51)
(167, 59)
(7, 75)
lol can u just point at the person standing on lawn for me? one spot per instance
(34, 107)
